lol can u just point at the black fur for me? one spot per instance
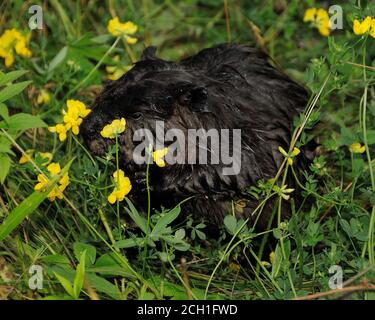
(228, 86)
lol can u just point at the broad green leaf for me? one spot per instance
(4, 113)
(370, 134)
(230, 223)
(4, 167)
(58, 59)
(28, 206)
(11, 76)
(79, 248)
(129, 243)
(98, 283)
(80, 276)
(24, 121)
(107, 264)
(102, 285)
(55, 259)
(137, 218)
(65, 283)
(168, 218)
(12, 90)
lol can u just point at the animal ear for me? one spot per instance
(149, 53)
(193, 97)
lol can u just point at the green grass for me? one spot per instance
(89, 249)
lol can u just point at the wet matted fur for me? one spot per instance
(224, 87)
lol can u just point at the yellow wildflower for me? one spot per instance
(43, 97)
(309, 15)
(117, 29)
(357, 148)
(61, 130)
(42, 182)
(368, 24)
(295, 152)
(116, 72)
(12, 40)
(76, 107)
(113, 129)
(73, 118)
(272, 257)
(158, 156)
(54, 169)
(372, 29)
(122, 187)
(319, 18)
(283, 191)
(26, 157)
(72, 121)
(47, 156)
(234, 266)
(265, 264)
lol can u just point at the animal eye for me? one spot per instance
(169, 99)
(136, 115)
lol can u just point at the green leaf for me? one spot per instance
(370, 134)
(165, 220)
(230, 223)
(200, 235)
(58, 59)
(12, 90)
(4, 113)
(346, 226)
(129, 243)
(4, 167)
(137, 218)
(180, 234)
(28, 206)
(108, 264)
(80, 276)
(65, 283)
(11, 76)
(55, 259)
(347, 136)
(24, 121)
(102, 285)
(79, 248)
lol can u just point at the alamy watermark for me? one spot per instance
(336, 279)
(196, 146)
(36, 20)
(36, 277)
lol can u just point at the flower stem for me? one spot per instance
(118, 188)
(100, 62)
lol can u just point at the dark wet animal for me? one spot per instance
(228, 86)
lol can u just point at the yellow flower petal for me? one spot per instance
(357, 148)
(26, 157)
(272, 257)
(309, 15)
(113, 129)
(47, 156)
(158, 157)
(131, 40)
(295, 152)
(43, 97)
(54, 168)
(324, 31)
(116, 28)
(357, 27)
